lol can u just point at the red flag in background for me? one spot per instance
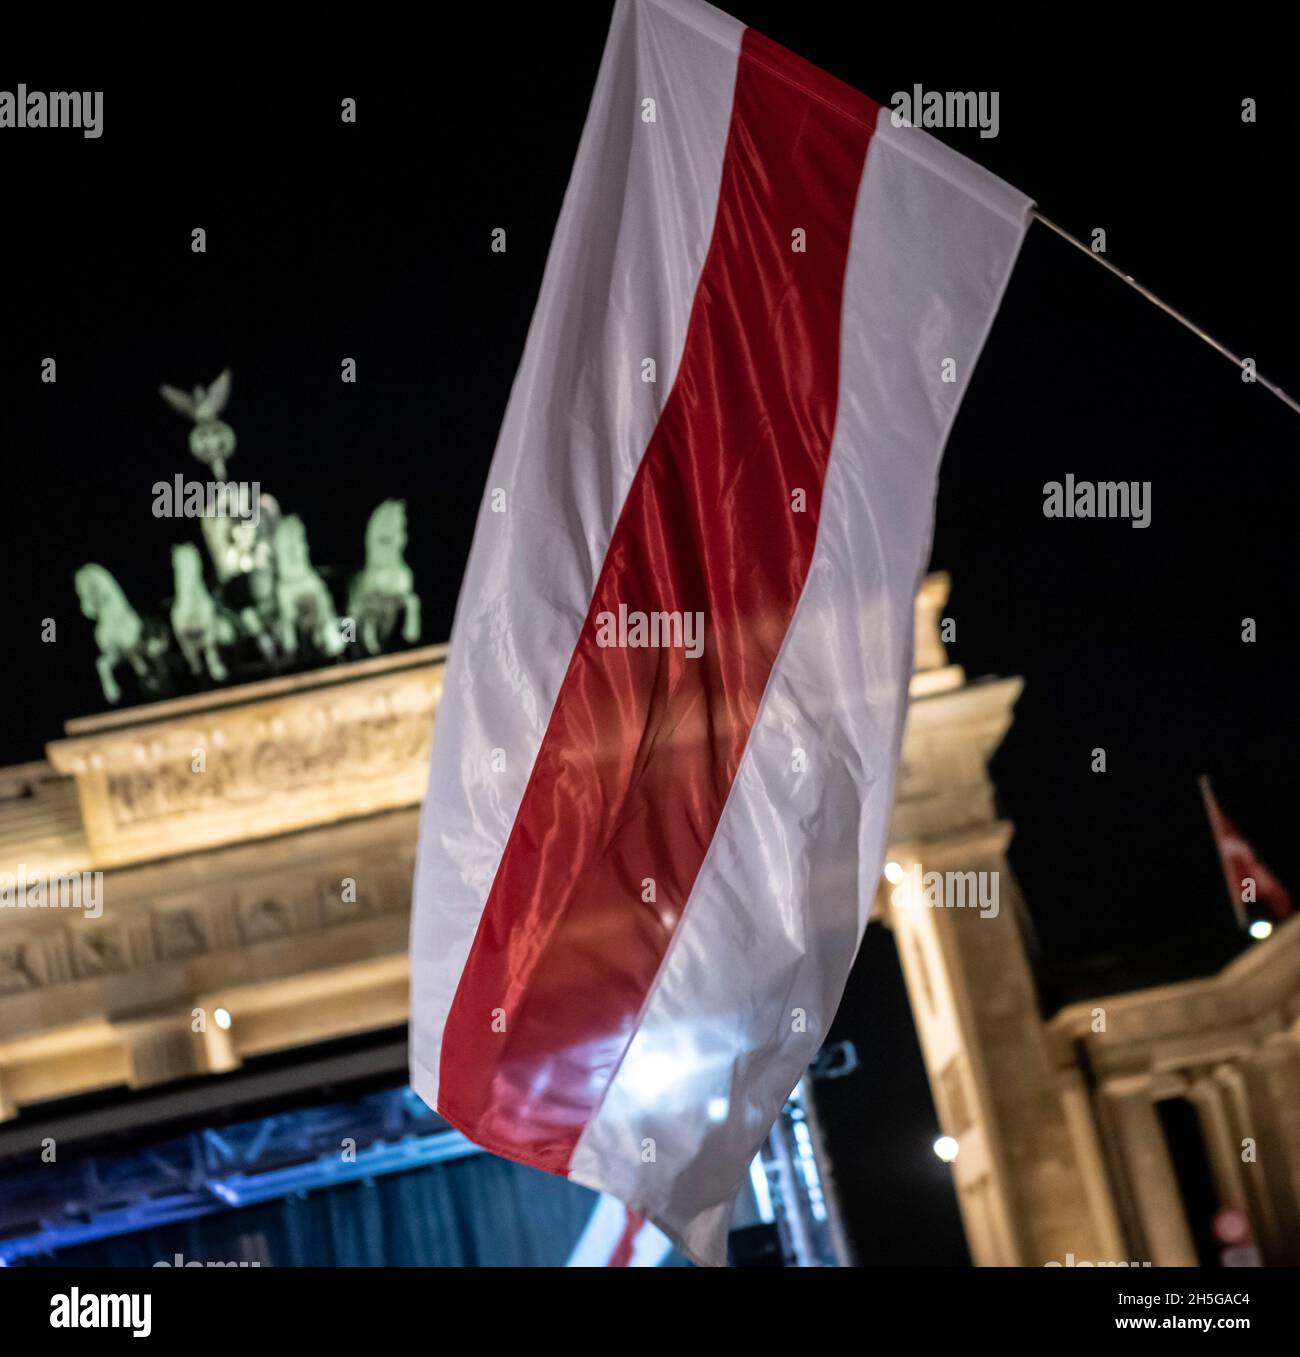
(1240, 862)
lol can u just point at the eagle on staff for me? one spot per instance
(212, 440)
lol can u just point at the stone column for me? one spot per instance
(1221, 1146)
(1253, 1113)
(1274, 1071)
(1150, 1172)
(1092, 1165)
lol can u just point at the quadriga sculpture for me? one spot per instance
(384, 590)
(302, 600)
(200, 626)
(119, 633)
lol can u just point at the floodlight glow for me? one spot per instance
(649, 1073)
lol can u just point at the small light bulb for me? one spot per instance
(222, 1018)
(946, 1148)
(893, 873)
(1261, 929)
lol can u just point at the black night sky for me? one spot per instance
(371, 241)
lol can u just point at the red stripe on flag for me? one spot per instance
(643, 743)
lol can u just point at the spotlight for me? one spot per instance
(649, 1074)
(893, 873)
(946, 1148)
(222, 1018)
(1261, 929)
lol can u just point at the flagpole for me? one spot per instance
(1165, 307)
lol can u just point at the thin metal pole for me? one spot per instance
(826, 1172)
(1166, 308)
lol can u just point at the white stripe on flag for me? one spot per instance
(619, 285)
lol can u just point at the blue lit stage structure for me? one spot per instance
(374, 1178)
(219, 1169)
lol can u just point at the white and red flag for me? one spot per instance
(664, 758)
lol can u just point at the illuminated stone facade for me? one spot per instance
(257, 847)
(1062, 1155)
